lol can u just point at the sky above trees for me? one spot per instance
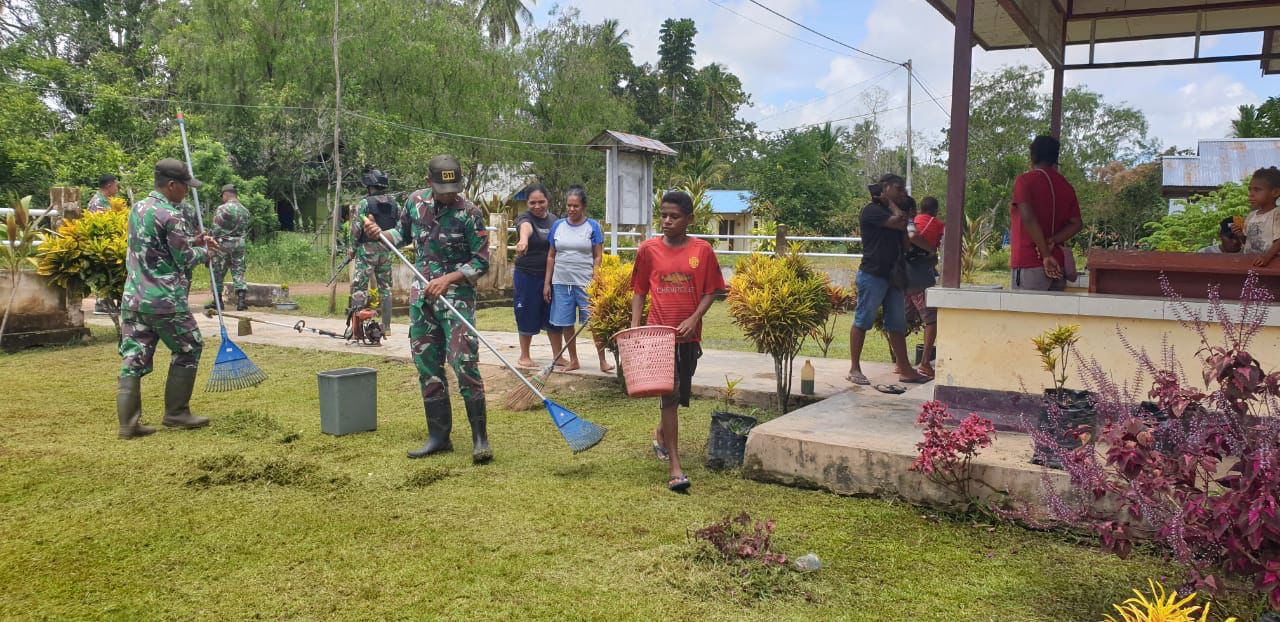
(1182, 104)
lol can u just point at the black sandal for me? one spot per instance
(678, 484)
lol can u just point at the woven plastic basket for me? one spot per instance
(648, 357)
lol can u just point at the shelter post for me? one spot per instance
(959, 138)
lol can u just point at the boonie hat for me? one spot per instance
(229, 188)
(446, 174)
(177, 171)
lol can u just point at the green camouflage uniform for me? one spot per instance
(99, 202)
(154, 307)
(371, 257)
(230, 226)
(448, 238)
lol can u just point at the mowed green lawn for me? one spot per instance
(261, 516)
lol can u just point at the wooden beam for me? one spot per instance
(958, 152)
(1050, 47)
(1164, 62)
(1174, 10)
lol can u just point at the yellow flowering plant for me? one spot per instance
(89, 253)
(1162, 606)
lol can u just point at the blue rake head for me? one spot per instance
(233, 370)
(579, 433)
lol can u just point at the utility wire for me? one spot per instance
(785, 34)
(835, 41)
(873, 80)
(930, 94)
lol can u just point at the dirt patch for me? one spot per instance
(426, 477)
(235, 469)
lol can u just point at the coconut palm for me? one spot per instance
(502, 18)
(1247, 126)
(613, 35)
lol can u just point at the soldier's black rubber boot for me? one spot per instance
(439, 424)
(177, 399)
(240, 303)
(476, 416)
(386, 317)
(129, 408)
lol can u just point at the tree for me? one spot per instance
(789, 175)
(675, 56)
(501, 19)
(1262, 121)
(1196, 226)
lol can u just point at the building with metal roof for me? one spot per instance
(1217, 161)
(731, 215)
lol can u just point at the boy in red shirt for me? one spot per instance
(681, 277)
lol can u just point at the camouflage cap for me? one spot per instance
(176, 170)
(229, 188)
(446, 174)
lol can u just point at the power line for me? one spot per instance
(785, 34)
(157, 100)
(873, 81)
(835, 41)
(930, 94)
(499, 143)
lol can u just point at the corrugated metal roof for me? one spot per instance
(630, 142)
(729, 201)
(1220, 161)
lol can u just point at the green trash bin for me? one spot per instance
(348, 400)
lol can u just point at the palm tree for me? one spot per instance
(612, 35)
(502, 18)
(1247, 126)
(702, 171)
(724, 90)
(830, 146)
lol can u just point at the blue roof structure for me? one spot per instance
(729, 201)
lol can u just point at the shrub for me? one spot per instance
(89, 253)
(1194, 468)
(609, 298)
(1197, 226)
(778, 301)
(841, 302)
(946, 454)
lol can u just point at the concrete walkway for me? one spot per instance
(756, 370)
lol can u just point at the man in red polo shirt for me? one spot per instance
(1043, 217)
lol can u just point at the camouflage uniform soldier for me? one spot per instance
(108, 186)
(453, 251)
(162, 253)
(371, 257)
(230, 226)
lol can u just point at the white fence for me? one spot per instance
(781, 238)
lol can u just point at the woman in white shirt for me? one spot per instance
(577, 245)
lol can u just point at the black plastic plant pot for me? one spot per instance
(1062, 412)
(727, 443)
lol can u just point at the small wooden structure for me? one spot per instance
(628, 179)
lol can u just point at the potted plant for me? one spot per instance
(727, 442)
(1063, 411)
(88, 253)
(777, 302)
(283, 302)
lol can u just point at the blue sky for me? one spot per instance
(794, 83)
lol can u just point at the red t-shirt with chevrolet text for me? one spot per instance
(1033, 187)
(676, 279)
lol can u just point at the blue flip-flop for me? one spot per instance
(661, 452)
(678, 484)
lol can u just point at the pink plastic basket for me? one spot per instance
(648, 356)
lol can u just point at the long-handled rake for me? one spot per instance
(524, 399)
(232, 369)
(578, 432)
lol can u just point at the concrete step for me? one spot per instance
(861, 442)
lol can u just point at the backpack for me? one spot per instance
(384, 212)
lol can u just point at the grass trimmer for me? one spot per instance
(232, 369)
(245, 328)
(578, 432)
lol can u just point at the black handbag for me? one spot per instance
(921, 271)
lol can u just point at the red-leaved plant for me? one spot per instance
(1193, 468)
(741, 539)
(946, 454)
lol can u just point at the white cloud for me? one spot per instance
(1182, 104)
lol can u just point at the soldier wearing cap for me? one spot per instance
(453, 252)
(163, 250)
(230, 226)
(108, 186)
(372, 259)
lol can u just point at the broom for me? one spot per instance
(579, 433)
(232, 369)
(524, 399)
